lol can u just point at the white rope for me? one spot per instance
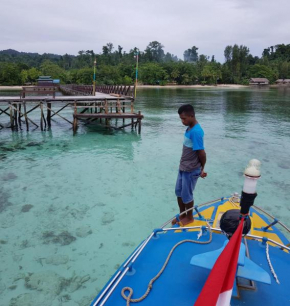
(199, 234)
(128, 297)
(270, 264)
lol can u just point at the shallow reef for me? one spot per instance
(64, 238)
(9, 176)
(54, 289)
(4, 200)
(26, 208)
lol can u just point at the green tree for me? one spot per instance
(284, 71)
(154, 52)
(211, 73)
(53, 70)
(262, 71)
(237, 62)
(191, 55)
(127, 80)
(10, 74)
(23, 76)
(152, 73)
(32, 74)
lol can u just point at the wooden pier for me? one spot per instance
(101, 108)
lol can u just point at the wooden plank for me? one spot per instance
(31, 109)
(27, 117)
(41, 116)
(123, 126)
(62, 99)
(48, 115)
(49, 105)
(110, 115)
(139, 128)
(15, 117)
(42, 120)
(132, 106)
(60, 116)
(19, 112)
(11, 117)
(5, 111)
(100, 106)
(75, 121)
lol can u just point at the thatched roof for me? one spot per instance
(259, 80)
(283, 81)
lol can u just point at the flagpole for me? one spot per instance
(136, 77)
(94, 81)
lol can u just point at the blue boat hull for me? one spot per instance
(181, 283)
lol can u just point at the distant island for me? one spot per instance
(115, 66)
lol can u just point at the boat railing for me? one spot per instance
(119, 275)
(275, 220)
(193, 208)
(215, 229)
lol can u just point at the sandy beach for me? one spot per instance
(7, 88)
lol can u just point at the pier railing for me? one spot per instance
(80, 90)
(123, 90)
(87, 90)
(38, 90)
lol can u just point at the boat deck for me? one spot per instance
(180, 283)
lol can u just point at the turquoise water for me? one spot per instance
(73, 208)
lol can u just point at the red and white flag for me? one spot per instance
(218, 288)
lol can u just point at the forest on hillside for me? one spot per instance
(115, 66)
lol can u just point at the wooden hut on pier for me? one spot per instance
(259, 81)
(283, 82)
(45, 81)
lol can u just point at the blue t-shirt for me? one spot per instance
(193, 141)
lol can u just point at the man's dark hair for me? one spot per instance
(187, 109)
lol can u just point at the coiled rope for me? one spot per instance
(150, 284)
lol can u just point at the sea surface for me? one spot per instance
(72, 208)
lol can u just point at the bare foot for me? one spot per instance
(186, 221)
(174, 221)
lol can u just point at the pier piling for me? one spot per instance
(111, 103)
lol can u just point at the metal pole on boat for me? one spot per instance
(252, 174)
(231, 219)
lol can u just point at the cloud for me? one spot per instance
(69, 26)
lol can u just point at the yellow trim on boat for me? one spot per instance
(256, 227)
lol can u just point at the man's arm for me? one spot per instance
(202, 158)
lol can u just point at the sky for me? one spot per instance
(68, 26)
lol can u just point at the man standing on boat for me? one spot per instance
(192, 162)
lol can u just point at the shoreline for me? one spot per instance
(7, 88)
(195, 86)
(233, 86)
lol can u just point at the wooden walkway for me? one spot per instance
(86, 108)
